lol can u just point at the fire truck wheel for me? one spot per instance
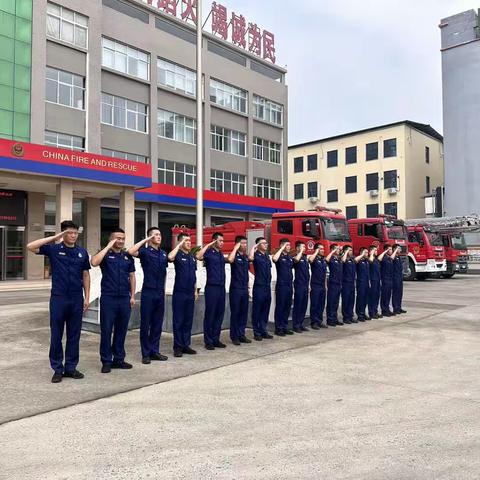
(411, 274)
(447, 275)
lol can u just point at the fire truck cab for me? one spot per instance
(456, 254)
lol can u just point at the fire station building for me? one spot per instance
(97, 123)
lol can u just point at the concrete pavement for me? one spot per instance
(395, 398)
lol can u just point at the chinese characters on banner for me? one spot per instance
(249, 37)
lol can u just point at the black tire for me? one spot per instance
(422, 276)
(448, 275)
(412, 274)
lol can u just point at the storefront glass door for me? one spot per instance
(12, 254)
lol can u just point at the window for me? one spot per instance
(65, 88)
(371, 151)
(312, 162)
(227, 96)
(372, 230)
(427, 154)
(390, 179)
(351, 184)
(266, 188)
(285, 227)
(124, 156)
(177, 77)
(312, 189)
(62, 140)
(332, 196)
(372, 181)
(332, 158)
(350, 155)
(267, 150)
(122, 113)
(125, 59)
(311, 228)
(229, 141)
(427, 185)
(298, 165)
(298, 193)
(390, 208)
(66, 25)
(390, 148)
(372, 210)
(227, 182)
(175, 173)
(267, 110)
(176, 127)
(351, 212)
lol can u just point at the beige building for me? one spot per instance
(386, 169)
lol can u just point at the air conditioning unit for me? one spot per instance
(392, 191)
(313, 200)
(374, 193)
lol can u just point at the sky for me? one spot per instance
(356, 64)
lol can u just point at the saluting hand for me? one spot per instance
(111, 243)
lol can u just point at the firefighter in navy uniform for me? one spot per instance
(185, 294)
(69, 297)
(116, 300)
(262, 290)
(375, 284)
(154, 263)
(334, 285)
(238, 292)
(318, 284)
(283, 288)
(397, 286)
(363, 276)
(348, 285)
(301, 285)
(214, 291)
(386, 259)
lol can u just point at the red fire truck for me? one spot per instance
(322, 225)
(381, 230)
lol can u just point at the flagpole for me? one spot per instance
(200, 182)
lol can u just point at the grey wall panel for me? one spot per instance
(64, 120)
(176, 103)
(125, 87)
(266, 170)
(125, 140)
(227, 162)
(176, 151)
(227, 119)
(65, 58)
(267, 132)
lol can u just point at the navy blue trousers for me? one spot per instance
(318, 296)
(300, 303)
(333, 300)
(348, 300)
(373, 297)
(183, 307)
(362, 299)
(65, 311)
(114, 318)
(152, 310)
(214, 312)
(397, 294)
(283, 306)
(262, 298)
(386, 295)
(238, 312)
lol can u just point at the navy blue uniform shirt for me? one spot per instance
(387, 268)
(363, 270)
(398, 268)
(375, 270)
(116, 269)
(335, 267)
(302, 271)
(215, 265)
(185, 268)
(239, 272)
(349, 271)
(154, 264)
(284, 266)
(263, 269)
(319, 271)
(68, 265)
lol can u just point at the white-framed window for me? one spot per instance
(65, 88)
(227, 182)
(267, 110)
(124, 155)
(122, 113)
(229, 141)
(125, 59)
(228, 96)
(266, 150)
(62, 140)
(67, 25)
(266, 188)
(176, 173)
(176, 127)
(177, 77)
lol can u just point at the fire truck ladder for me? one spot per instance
(460, 224)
